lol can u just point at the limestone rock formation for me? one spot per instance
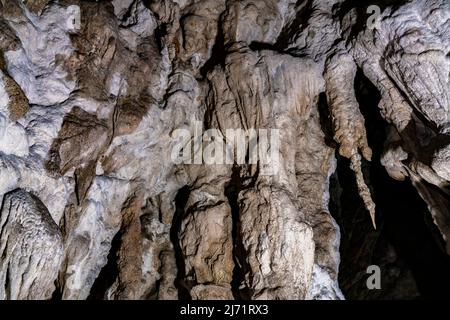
(31, 248)
(93, 94)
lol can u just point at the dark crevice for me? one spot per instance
(128, 14)
(297, 25)
(7, 284)
(159, 34)
(259, 46)
(109, 272)
(232, 190)
(5, 250)
(325, 121)
(413, 264)
(181, 284)
(57, 294)
(218, 52)
(77, 187)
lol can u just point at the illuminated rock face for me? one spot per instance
(93, 205)
(31, 248)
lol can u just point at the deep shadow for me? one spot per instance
(407, 247)
(180, 283)
(232, 190)
(109, 272)
(218, 52)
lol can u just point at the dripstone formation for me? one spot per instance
(91, 92)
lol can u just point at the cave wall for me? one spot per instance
(91, 93)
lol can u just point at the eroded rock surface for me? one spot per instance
(31, 248)
(91, 94)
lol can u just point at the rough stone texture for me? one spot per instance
(88, 111)
(31, 248)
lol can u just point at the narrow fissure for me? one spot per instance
(232, 190)
(180, 282)
(218, 52)
(7, 284)
(109, 272)
(57, 294)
